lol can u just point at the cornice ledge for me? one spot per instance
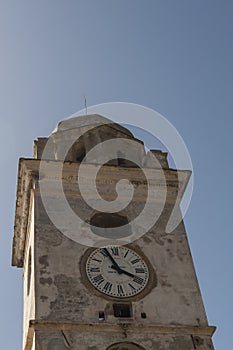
(129, 327)
(24, 186)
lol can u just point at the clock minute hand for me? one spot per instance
(127, 273)
(122, 271)
(115, 265)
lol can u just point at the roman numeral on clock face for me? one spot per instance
(135, 261)
(98, 260)
(115, 251)
(138, 280)
(103, 252)
(120, 289)
(98, 279)
(95, 269)
(140, 270)
(107, 287)
(132, 287)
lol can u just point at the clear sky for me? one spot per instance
(173, 56)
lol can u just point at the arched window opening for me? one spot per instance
(79, 152)
(125, 346)
(110, 225)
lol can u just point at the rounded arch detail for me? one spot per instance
(105, 224)
(125, 346)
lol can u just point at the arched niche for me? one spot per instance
(110, 225)
(125, 346)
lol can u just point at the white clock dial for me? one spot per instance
(117, 271)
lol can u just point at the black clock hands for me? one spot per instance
(115, 265)
(119, 270)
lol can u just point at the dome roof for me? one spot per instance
(88, 120)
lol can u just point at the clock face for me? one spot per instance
(117, 271)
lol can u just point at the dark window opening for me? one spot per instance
(122, 310)
(101, 316)
(108, 220)
(110, 225)
(79, 159)
(78, 152)
(80, 155)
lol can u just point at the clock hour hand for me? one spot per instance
(122, 271)
(115, 266)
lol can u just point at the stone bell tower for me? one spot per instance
(121, 290)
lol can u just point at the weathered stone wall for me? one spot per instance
(62, 340)
(63, 295)
(61, 290)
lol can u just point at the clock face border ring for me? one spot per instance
(151, 283)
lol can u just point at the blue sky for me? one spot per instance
(173, 56)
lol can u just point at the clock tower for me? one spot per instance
(95, 276)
